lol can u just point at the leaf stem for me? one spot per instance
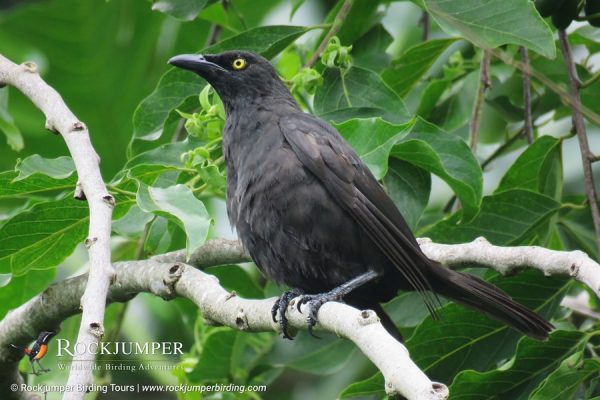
(580, 130)
(115, 189)
(528, 122)
(484, 84)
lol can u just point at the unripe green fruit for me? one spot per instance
(593, 7)
(565, 14)
(547, 7)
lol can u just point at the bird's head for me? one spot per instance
(45, 336)
(239, 77)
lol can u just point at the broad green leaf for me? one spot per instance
(186, 10)
(22, 288)
(214, 363)
(32, 186)
(358, 88)
(133, 223)
(409, 188)
(14, 138)
(159, 238)
(467, 339)
(447, 156)
(372, 139)
(454, 110)
(539, 169)
(406, 71)
(564, 382)
(235, 278)
(505, 218)
(373, 386)
(533, 361)
(492, 23)
(57, 168)
(43, 236)
(178, 204)
(325, 356)
(176, 85)
(369, 51)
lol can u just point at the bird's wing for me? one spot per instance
(323, 152)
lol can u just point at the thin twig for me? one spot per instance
(579, 125)
(60, 119)
(484, 84)
(550, 84)
(528, 122)
(424, 22)
(335, 27)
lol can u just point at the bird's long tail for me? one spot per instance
(480, 295)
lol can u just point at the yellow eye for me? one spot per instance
(239, 63)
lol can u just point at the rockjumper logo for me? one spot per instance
(121, 348)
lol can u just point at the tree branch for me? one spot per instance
(91, 187)
(578, 124)
(528, 122)
(484, 85)
(335, 27)
(166, 276)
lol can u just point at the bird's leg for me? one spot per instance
(281, 306)
(315, 301)
(33, 371)
(42, 367)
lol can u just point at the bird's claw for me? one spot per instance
(314, 303)
(280, 307)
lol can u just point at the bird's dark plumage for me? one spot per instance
(311, 214)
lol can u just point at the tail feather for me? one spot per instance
(483, 296)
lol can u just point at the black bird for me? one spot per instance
(310, 213)
(37, 351)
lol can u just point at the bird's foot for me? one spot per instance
(280, 307)
(314, 303)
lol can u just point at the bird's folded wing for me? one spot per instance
(320, 149)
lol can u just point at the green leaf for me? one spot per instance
(505, 218)
(57, 168)
(358, 88)
(178, 204)
(533, 361)
(236, 278)
(325, 356)
(467, 339)
(33, 185)
(493, 23)
(409, 188)
(374, 148)
(214, 363)
(176, 85)
(133, 223)
(538, 168)
(407, 70)
(564, 382)
(22, 288)
(186, 10)
(447, 156)
(369, 51)
(14, 138)
(43, 236)
(373, 386)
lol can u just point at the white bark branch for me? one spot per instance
(60, 119)
(507, 260)
(168, 280)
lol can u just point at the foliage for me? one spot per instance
(405, 105)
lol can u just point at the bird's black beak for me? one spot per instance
(194, 62)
